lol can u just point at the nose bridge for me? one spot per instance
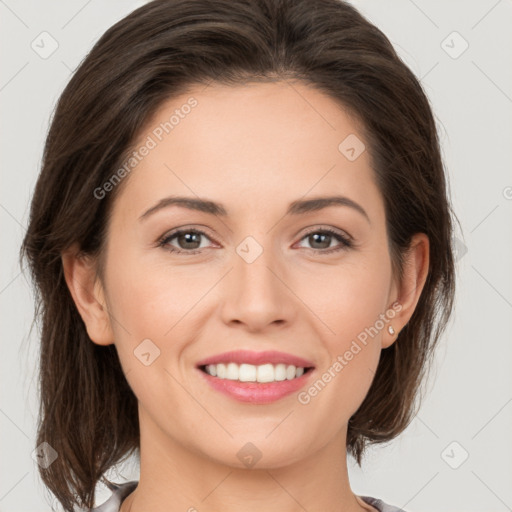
(253, 266)
(257, 296)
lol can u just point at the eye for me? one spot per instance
(321, 239)
(188, 240)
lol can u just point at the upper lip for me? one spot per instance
(256, 358)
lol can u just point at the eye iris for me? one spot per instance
(315, 237)
(189, 238)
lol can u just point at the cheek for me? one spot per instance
(148, 298)
(149, 317)
(156, 310)
(348, 299)
(353, 305)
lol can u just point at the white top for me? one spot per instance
(121, 491)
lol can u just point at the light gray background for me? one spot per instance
(469, 399)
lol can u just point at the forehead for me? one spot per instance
(252, 144)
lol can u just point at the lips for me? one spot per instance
(256, 377)
(256, 358)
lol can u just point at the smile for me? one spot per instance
(256, 377)
(251, 373)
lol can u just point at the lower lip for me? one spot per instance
(256, 392)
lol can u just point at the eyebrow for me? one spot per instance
(298, 207)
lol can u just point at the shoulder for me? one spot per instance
(380, 505)
(119, 493)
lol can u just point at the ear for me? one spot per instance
(88, 294)
(407, 293)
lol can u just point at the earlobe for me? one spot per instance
(416, 267)
(88, 295)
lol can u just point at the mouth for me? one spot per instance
(251, 373)
(256, 377)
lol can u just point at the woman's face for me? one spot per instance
(251, 276)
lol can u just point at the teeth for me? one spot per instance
(232, 371)
(246, 373)
(250, 373)
(221, 371)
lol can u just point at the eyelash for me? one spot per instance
(346, 243)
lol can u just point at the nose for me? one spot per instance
(258, 294)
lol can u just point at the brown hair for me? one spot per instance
(88, 412)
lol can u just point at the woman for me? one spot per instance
(241, 240)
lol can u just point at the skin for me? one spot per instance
(255, 149)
